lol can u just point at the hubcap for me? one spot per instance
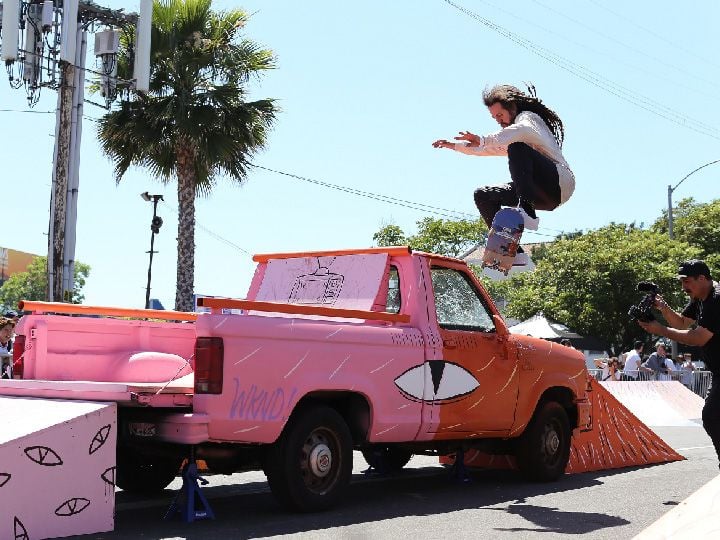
(320, 460)
(552, 443)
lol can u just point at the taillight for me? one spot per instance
(18, 357)
(208, 365)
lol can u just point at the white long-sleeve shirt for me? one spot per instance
(532, 130)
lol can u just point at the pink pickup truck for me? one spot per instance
(382, 350)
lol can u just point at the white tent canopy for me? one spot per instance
(541, 327)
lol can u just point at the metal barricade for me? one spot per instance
(698, 381)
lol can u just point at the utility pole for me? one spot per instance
(61, 172)
(44, 44)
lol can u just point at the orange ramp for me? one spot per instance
(617, 439)
(659, 403)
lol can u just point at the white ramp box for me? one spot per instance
(57, 467)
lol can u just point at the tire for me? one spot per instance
(386, 459)
(543, 450)
(144, 475)
(309, 468)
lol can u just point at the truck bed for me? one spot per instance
(176, 393)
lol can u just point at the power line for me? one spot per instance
(444, 212)
(29, 112)
(451, 214)
(593, 78)
(211, 233)
(654, 34)
(621, 43)
(614, 58)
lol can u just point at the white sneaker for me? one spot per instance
(530, 223)
(521, 259)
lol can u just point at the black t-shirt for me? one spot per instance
(707, 314)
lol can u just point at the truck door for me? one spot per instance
(475, 384)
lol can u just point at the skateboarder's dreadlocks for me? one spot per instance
(531, 137)
(509, 96)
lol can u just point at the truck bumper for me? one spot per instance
(176, 428)
(584, 408)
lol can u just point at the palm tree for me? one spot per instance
(195, 123)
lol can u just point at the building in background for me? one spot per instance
(13, 262)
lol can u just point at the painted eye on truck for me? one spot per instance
(446, 382)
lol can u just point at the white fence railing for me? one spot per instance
(697, 381)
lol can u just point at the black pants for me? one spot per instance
(711, 413)
(534, 180)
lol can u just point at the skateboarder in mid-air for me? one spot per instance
(531, 138)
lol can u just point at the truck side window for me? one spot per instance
(393, 297)
(457, 303)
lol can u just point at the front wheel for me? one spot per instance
(386, 459)
(544, 449)
(310, 466)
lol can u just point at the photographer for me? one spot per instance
(698, 325)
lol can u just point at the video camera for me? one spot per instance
(642, 311)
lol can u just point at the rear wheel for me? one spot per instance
(310, 466)
(142, 474)
(386, 459)
(543, 451)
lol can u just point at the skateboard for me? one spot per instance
(503, 240)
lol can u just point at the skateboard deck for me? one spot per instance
(503, 240)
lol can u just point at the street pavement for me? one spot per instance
(424, 502)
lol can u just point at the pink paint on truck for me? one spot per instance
(383, 350)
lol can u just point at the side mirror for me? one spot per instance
(500, 328)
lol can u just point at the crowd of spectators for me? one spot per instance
(659, 366)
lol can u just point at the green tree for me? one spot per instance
(195, 124)
(590, 281)
(698, 224)
(32, 284)
(442, 236)
(390, 235)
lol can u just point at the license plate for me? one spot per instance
(142, 429)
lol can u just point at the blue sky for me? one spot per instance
(364, 90)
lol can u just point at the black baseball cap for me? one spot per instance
(693, 268)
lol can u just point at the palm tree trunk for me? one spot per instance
(185, 283)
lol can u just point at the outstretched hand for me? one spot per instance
(442, 143)
(471, 138)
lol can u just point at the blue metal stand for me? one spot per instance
(184, 502)
(459, 470)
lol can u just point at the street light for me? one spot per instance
(673, 344)
(155, 225)
(670, 192)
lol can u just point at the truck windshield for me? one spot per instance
(458, 304)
